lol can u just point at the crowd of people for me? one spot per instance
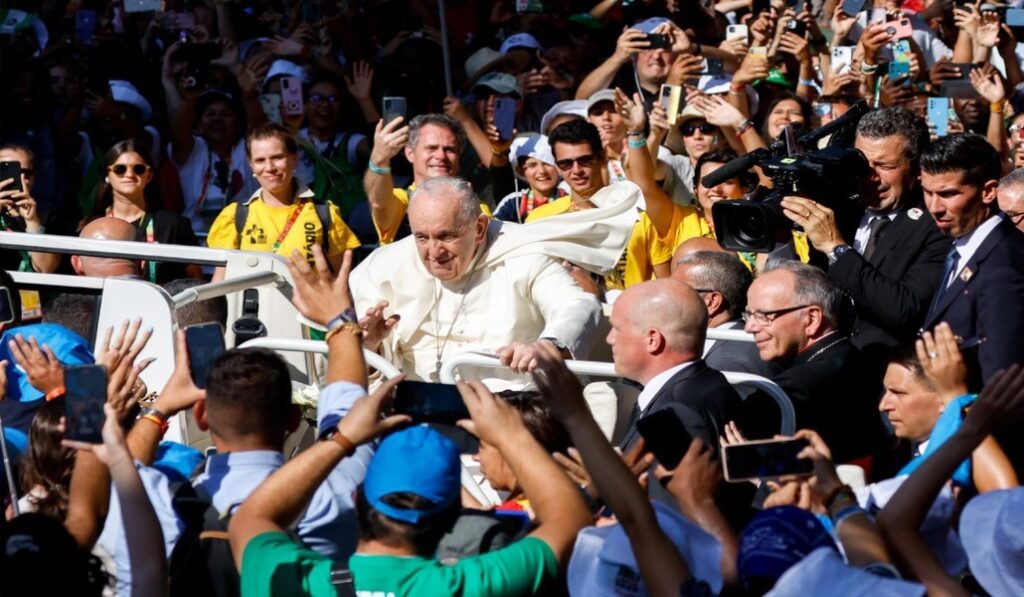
(633, 181)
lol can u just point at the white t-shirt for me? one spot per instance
(207, 187)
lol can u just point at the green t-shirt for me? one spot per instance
(273, 564)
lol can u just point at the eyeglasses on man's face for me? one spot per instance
(767, 317)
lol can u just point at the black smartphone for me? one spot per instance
(658, 41)
(853, 7)
(504, 116)
(11, 170)
(796, 26)
(6, 306)
(714, 67)
(767, 459)
(666, 436)
(86, 387)
(430, 402)
(205, 343)
(393, 107)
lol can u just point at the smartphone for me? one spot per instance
(713, 67)
(765, 459)
(759, 51)
(291, 96)
(205, 342)
(85, 24)
(86, 387)
(901, 51)
(899, 69)
(142, 5)
(534, 6)
(900, 29)
(657, 41)
(796, 26)
(504, 116)
(179, 21)
(666, 436)
(938, 115)
(393, 108)
(271, 104)
(853, 7)
(842, 59)
(11, 170)
(669, 98)
(312, 12)
(430, 402)
(736, 32)
(6, 306)
(1015, 18)
(796, 5)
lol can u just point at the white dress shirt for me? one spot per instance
(967, 245)
(657, 382)
(863, 235)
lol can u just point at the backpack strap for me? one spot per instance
(323, 212)
(241, 215)
(342, 579)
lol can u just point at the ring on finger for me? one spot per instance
(933, 355)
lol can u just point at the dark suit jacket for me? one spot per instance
(893, 290)
(738, 356)
(989, 304)
(701, 397)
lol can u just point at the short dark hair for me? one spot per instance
(964, 152)
(896, 121)
(422, 538)
(537, 418)
(253, 390)
(272, 130)
(906, 356)
(19, 147)
(441, 120)
(723, 273)
(74, 311)
(574, 132)
(204, 311)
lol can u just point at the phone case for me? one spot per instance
(842, 58)
(271, 104)
(85, 24)
(899, 69)
(901, 51)
(759, 51)
(1015, 17)
(291, 96)
(736, 32)
(504, 116)
(766, 457)
(938, 115)
(853, 7)
(900, 29)
(669, 97)
(393, 108)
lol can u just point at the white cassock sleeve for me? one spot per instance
(570, 314)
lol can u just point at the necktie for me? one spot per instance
(876, 227)
(952, 259)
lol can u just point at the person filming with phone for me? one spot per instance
(18, 209)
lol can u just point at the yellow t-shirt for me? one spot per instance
(388, 236)
(264, 224)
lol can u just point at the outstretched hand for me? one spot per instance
(366, 422)
(319, 294)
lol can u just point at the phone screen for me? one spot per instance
(86, 387)
(6, 306)
(666, 436)
(205, 343)
(765, 460)
(504, 116)
(430, 402)
(85, 24)
(714, 67)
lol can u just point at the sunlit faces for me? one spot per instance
(626, 339)
(1011, 202)
(699, 137)
(653, 66)
(779, 324)
(272, 164)
(580, 166)
(494, 468)
(445, 243)
(785, 112)
(540, 176)
(608, 122)
(958, 207)
(910, 405)
(129, 175)
(707, 197)
(436, 153)
(893, 176)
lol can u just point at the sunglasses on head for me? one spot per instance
(585, 161)
(122, 169)
(689, 129)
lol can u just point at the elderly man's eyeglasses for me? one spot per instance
(767, 317)
(585, 161)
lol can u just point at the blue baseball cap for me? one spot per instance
(520, 40)
(776, 539)
(67, 346)
(649, 25)
(416, 460)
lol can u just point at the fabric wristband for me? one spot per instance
(377, 169)
(636, 143)
(56, 393)
(163, 425)
(747, 124)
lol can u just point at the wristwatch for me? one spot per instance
(837, 252)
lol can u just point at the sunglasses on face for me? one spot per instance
(689, 129)
(318, 98)
(585, 161)
(122, 169)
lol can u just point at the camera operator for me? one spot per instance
(892, 264)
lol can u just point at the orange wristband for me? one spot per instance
(163, 425)
(56, 393)
(345, 443)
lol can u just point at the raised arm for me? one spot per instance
(640, 165)
(661, 566)
(630, 42)
(388, 140)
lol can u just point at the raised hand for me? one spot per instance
(630, 42)
(492, 419)
(44, 371)
(376, 327)
(942, 362)
(366, 422)
(631, 110)
(319, 294)
(361, 80)
(388, 140)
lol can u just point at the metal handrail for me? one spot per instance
(788, 426)
(72, 245)
(60, 280)
(235, 284)
(727, 334)
(319, 346)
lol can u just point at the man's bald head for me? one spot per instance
(694, 245)
(106, 267)
(655, 326)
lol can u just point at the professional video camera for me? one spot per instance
(831, 176)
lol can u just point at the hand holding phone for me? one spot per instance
(938, 115)
(430, 402)
(11, 171)
(657, 41)
(392, 108)
(86, 393)
(670, 97)
(765, 459)
(504, 116)
(205, 343)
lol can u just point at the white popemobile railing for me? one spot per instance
(730, 335)
(320, 347)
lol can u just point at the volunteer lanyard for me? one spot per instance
(288, 226)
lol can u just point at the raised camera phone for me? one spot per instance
(669, 97)
(205, 343)
(938, 115)
(271, 104)
(657, 41)
(11, 170)
(1015, 18)
(85, 24)
(430, 402)
(796, 26)
(6, 306)
(901, 51)
(713, 67)
(86, 387)
(759, 52)
(179, 21)
(736, 32)
(900, 29)
(291, 96)
(853, 7)
(899, 69)
(504, 116)
(842, 59)
(666, 436)
(142, 5)
(765, 459)
(393, 108)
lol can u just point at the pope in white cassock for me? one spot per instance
(462, 282)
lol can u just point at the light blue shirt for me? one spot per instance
(327, 526)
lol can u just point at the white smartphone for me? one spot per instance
(736, 32)
(842, 59)
(271, 104)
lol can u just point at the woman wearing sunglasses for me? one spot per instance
(125, 193)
